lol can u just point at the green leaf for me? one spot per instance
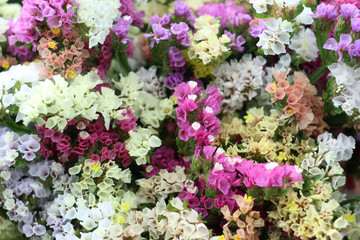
(21, 163)
(321, 38)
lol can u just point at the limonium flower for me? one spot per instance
(273, 39)
(160, 33)
(341, 46)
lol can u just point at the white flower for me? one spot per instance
(260, 6)
(304, 44)
(99, 16)
(239, 80)
(273, 40)
(305, 17)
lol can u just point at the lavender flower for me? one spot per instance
(354, 49)
(121, 29)
(341, 46)
(355, 24)
(164, 20)
(159, 33)
(173, 80)
(257, 28)
(180, 30)
(326, 12)
(182, 9)
(241, 19)
(349, 11)
(176, 59)
(235, 43)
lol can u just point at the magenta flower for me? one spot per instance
(341, 46)
(180, 30)
(326, 12)
(159, 34)
(348, 11)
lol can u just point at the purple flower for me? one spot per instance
(159, 33)
(241, 19)
(224, 186)
(193, 201)
(121, 29)
(180, 30)
(354, 49)
(176, 59)
(173, 80)
(256, 29)
(340, 47)
(182, 9)
(326, 12)
(349, 11)
(28, 230)
(355, 24)
(164, 20)
(235, 43)
(226, 11)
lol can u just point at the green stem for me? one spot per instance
(10, 123)
(315, 76)
(357, 199)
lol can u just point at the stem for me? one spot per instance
(315, 76)
(357, 199)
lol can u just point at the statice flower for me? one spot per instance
(336, 150)
(159, 33)
(98, 21)
(235, 42)
(341, 46)
(14, 147)
(176, 59)
(121, 29)
(173, 80)
(128, 8)
(226, 11)
(16, 84)
(355, 25)
(272, 40)
(239, 80)
(163, 21)
(180, 30)
(241, 19)
(347, 96)
(257, 26)
(151, 83)
(326, 12)
(304, 44)
(182, 9)
(349, 11)
(260, 6)
(305, 17)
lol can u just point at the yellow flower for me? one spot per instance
(125, 207)
(292, 206)
(70, 74)
(175, 100)
(52, 44)
(55, 30)
(249, 117)
(248, 199)
(95, 166)
(26, 63)
(350, 217)
(281, 156)
(5, 65)
(222, 237)
(237, 237)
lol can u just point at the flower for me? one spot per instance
(341, 46)
(304, 44)
(273, 40)
(159, 33)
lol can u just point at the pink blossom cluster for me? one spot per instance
(227, 11)
(231, 173)
(164, 158)
(196, 113)
(63, 53)
(55, 14)
(301, 104)
(92, 140)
